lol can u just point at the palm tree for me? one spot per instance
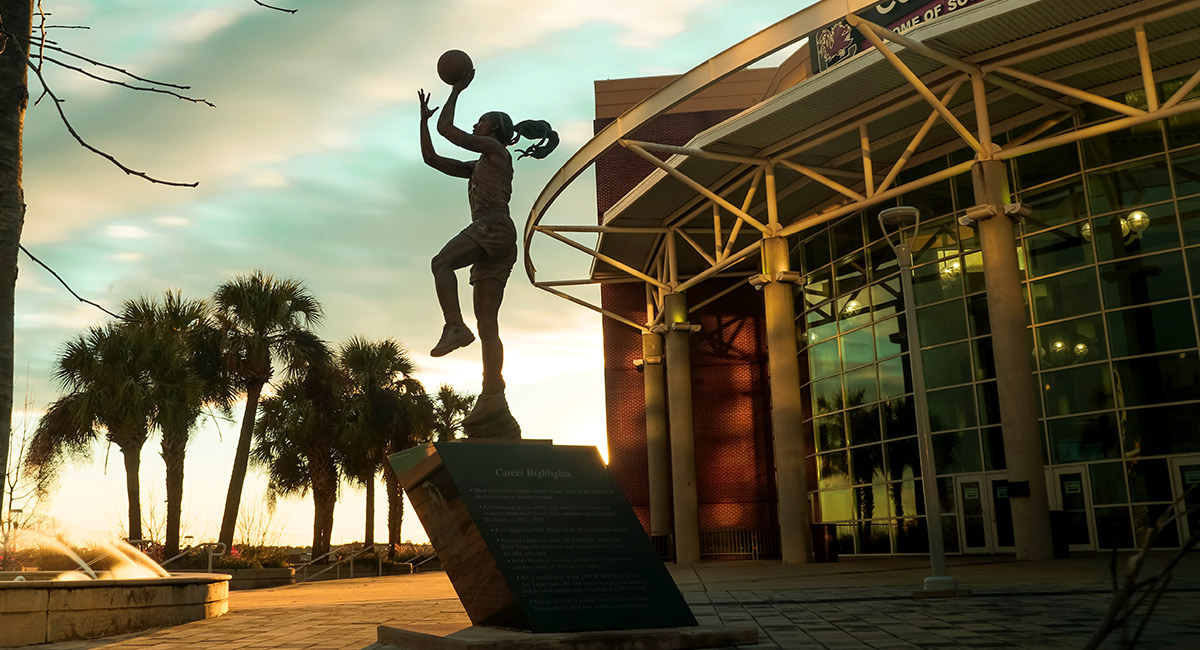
(296, 439)
(185, 377)
(105, 378)
(449, 409)
(262, 319)
(382, 410)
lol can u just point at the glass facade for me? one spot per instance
(1111, 261)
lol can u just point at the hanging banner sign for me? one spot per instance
(838, 41)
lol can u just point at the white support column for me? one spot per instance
(683, 440)
(1014, 367)
(787, 414)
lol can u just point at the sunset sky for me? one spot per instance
(310, 167)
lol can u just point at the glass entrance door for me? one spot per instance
(1073, 496)
(1185, 475)
(974, 516)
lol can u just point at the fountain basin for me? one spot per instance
(47, 611)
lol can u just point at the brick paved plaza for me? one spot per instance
(856, 603)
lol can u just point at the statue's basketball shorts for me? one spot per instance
(497, 236)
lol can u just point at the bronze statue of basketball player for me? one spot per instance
(488, 245)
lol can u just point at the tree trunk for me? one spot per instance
(174, 447)
(133, 490)
(395, 507)
(14, 95)
(324, 490)
(233, 498)
(369, 534)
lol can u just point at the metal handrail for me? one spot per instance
(340, 562)
(208, 546)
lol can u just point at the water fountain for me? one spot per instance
(131, 593)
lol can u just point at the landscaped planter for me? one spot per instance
(253, 578)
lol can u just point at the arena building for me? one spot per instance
(759, 350)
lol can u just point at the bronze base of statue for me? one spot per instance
(491, 419)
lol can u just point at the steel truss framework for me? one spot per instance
(992, 75)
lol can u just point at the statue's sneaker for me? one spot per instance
(453, 338)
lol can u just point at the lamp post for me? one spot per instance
(898, 218)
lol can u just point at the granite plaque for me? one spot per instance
(538, 537)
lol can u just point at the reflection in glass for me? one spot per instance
(1058, 250)
(895, 377)
(827, 395)
(973, 273)
(1055, 205)
(847, 235)
(1066, 295)
(1108, 483)
(1083, 438)
(938, 281)
(821, 322)
(903, 459)
(823, 359)
(850, 273)
(858, 348)
(1158, 328)
(1134, 142)
(882, 258)
(1122, 186)
(836, 505)
(911, 536)
(888, 298)
(905, 499)
(815, 251)
(899, 418)
(1072, 342)
(1046, 165)
(1161, 430)
(831, 433)
(942, 323)
(1189, 217)
(874, 537)
(948, 365)
(1144, 519)
(1112, 527)
(957, 452)
(1155, 380)
(989, 403)
(946, 499)
(864, 425)
(866, 464)
(984, 360)
(833, 470)
(1149, 480)
(818, 286)
(1143, 279)
(937, 240)
(977, 315)
(1078, 390)
(993, 449)
(952, 408)
(1186, 165)
(889, 340)
(1135, 232)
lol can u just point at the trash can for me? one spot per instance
(1059, 539)
(825, 543)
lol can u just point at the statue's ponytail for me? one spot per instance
(539, 130)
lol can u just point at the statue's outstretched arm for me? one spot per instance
(448, 166)
(487, 146)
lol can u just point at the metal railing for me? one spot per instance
(302, 570)
(214, 549)
(752, 543)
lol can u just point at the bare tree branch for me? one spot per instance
(125, 85)
(114, 68)
(286, 11)
(64, 283)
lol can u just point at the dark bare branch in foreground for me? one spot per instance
(286, 11)
(125, 85)
(114, 68)
(64, 283)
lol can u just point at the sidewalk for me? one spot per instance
(856, 603)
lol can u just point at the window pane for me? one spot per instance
(984, 361)
(1189, 217)
(1145, 230)
(1193, 261)
(850, 273)
(973, 273)
(1112, 527)
(1070, 342)
(831, 433)
(866, 463)
(895, 377)
(957, 452)
(1088, 437)
(1078, 390)
(847, 236)
(861, 387)
(947, 365)
(858, 347)
(1145, 181)
(1143, 279)
(903, 459)
(1141, 140)
(977, 315)
(836, 505)
(942, 323)
(952, 408)
(1066, 295)
(1149, 480)
(1108, 483)
(937, 240)
(864, 425)
(818, 286)
(1058, 250)
(911, 536)
(993, 449)
(815, 251)
(887, 298)
(820, 322)
(1156, 380)
(1145, 330)
(853, 310)
(883, 261)
(936, 282)
(1055, 205)
(888, 339)
(1162, 430)
(833, 470)
(823, 359)
(989, 403)
(1186, 165)
(827, 395)
(899, 418)
(905, 499)
(1046, 165)
(1145, 517)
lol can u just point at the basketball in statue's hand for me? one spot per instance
(453, 66)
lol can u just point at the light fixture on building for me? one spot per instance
(851, 308)
(1058, 346)
(950, 271)
(1132, 225)
(1081, 350)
